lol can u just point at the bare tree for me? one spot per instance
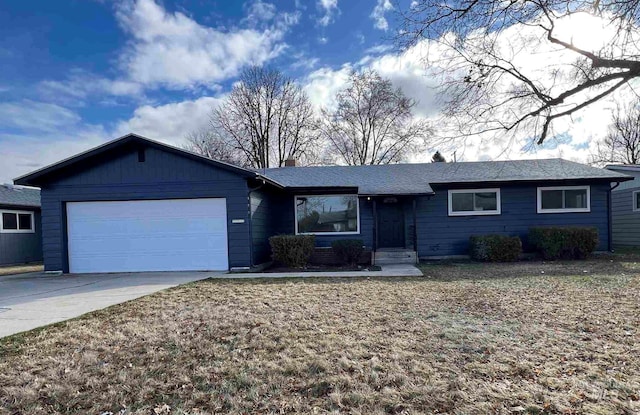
(622, 144)
(497, 58)
(266, 119)
(372, 123)
(438, 158)
(207, 143)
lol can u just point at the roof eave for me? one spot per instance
(18, 206)
(533, 181)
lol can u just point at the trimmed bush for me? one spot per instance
(495, 248)
(292, 250)
(564, 243)
(348, 250)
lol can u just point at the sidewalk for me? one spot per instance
(399, 270)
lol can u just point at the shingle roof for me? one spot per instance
(19, 196)
(417, 178)
(623, 167)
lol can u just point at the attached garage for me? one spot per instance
(147, 235)
(134, 205)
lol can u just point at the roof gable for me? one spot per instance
(41, 176)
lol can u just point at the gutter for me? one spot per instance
(610, 217)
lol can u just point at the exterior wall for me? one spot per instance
(162, 175)
(626, 222)
(21, 248)
(442, 235)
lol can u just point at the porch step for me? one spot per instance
(400, 256)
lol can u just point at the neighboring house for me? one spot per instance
(20, 233)
(625, 207)
(138, 205)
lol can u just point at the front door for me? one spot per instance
(390, 225)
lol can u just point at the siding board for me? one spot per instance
(626, 222)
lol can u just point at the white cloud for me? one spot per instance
(170, 122)
(81, 86)
(379, 20)
(35, 134)
(329, 9)
(261, 11)
(302, 61)
(36, 116)
(173, 50)
(323, 84)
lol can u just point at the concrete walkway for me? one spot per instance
(32, 300)
(399, 270)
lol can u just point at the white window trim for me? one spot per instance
(295, 216)
(633, 201)
(570, 210)
(498, 211)
(16, 212)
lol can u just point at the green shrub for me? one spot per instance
(495, 248)
(564, 243)
(292, 250)
(348, 250)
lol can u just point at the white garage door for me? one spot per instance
(147, 235)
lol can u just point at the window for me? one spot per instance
(16, 222)
(470, 202)
(636, 201)
(327, 214)
(564, 199)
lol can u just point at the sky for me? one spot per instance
(78, 73)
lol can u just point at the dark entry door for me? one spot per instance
(390, 225)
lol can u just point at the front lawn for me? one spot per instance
(529, 337)
(20, 269)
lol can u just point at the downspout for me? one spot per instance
(251, 190)
(610, 216)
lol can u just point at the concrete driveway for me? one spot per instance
(32, 300)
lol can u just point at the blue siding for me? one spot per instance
(626, 221)
(21, 248)
(440, 234)
(162, 176)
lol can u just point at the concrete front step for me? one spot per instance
(395, 257)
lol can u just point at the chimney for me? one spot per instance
(290, 162)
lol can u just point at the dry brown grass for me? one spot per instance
(20, 269)
(475, 339)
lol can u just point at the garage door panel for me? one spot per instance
(158, 235)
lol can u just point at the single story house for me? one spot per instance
(134, 204)
(625, 207)
(20, 231)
